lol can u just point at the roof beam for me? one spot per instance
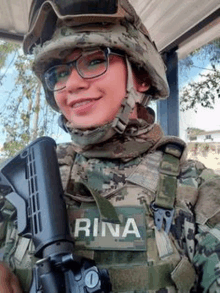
(11, 36)
(211, 20)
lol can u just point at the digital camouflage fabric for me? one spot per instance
(169, 264)
(135, 44)
(139, 257)
(125, 32)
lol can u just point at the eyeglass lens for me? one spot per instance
(88, 65)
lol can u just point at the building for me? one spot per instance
(205, 137)
(204, 141)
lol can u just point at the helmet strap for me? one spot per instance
(128, 104)
(120, 122)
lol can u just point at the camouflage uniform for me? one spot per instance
(131, 172)
(119, 190)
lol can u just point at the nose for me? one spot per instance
(75, 82)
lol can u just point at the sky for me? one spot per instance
(205, 119)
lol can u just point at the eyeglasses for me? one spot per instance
(89, 64)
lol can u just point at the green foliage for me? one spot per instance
(192, 132)
(5, 49)
(203, 92)
(25, 114)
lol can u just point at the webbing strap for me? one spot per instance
(169, 170)
(163, 206)
(106, 209)
(166, 192)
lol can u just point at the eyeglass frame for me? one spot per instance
(73, 65)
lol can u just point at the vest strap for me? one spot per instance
(163, 206)
(106, 209)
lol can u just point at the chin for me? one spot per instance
(89, 126)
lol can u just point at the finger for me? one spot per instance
(15, 285)
(4, 272)
(8, 281)
(5, 287)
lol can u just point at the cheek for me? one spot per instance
(59, 98)
(117, 81)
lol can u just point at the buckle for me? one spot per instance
(121, 121)
(162, 216)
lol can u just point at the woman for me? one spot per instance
(100, 69)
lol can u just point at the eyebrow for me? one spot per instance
(75, 57)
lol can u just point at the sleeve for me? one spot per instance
(207, 212)
(65, 155)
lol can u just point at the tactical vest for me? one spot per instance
(139, 237)
(141, 250)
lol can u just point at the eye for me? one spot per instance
(61, 73)
(95, 62)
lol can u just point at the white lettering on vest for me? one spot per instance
(131, 222)
(79, 228)
(115, 232)
(84, 225)
(95, 227)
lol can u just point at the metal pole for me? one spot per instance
(168, 110)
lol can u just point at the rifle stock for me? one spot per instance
(31, 182)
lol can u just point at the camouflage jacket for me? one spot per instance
(138, 176)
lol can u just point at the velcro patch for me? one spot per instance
(90, 232)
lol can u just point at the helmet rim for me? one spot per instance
(139, 50)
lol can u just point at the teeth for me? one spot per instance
(81, 103)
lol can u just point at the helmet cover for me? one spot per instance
(122, 30)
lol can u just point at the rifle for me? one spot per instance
(31, 182)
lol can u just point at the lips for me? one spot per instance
(81, 102)
(83, 106)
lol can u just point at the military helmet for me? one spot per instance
(56, 27)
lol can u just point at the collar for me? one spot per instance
(139, 136)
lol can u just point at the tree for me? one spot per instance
(5, 50)
(24, 114)
(205, 91)
(192, 133)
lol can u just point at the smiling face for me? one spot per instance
(88, 103)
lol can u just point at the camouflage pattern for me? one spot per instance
(123, 184)
(171, 259)
(123, 30)
(139, 49)
(185, 260)
(130, 172)
(127, 34)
